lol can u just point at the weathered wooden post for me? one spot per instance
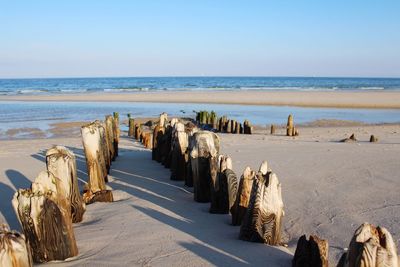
(109, 121)
(289, 126)
(148, 138)
(105, 156)
(373, 139)
(242, 199)
(179, 145)
(45, 217)
(158, 132)
(163, 119)
(131, 131)
(138, 131)
(350, 139)
(204, 161)
(247, 128)
(371, 247)
(61, 163)
(92, 145)
(312, 252)
(213, 119)
(116, 131)
(263, 219)
(233, 125)
(272, 129)
(229, 126)
(14, 250)
(224, 189)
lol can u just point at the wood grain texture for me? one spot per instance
(371, 247)
(14, 250)
(311, 253)
(61, 162)
(263, 219)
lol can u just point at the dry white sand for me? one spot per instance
(328, 188)
(338, 99)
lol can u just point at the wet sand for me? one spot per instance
(336, 99)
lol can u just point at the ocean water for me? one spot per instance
(135, 84)
(42, 114)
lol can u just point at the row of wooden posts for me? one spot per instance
(47, 210)
(223, 124)
(254, 200)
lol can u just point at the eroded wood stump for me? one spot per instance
(204, 161)
(61, 163)
(158, 132)
(243, 196)
(131, 125)
(311, 253)
(371, 247)
(116, 132)
(179, 143)
(147, 139)
(289, 126)
(163, 119)
(373, 139)
(272, 129)
(99, 196)
(350, 139)
(92, 144)
(109, 121)
(263, 219)
(247, 128)
(14, 250)
(224, 188)
(46, 226)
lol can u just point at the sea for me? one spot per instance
(134, 84)
(41, 115)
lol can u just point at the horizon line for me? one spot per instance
(197, 76)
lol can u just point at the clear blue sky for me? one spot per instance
(206, 37)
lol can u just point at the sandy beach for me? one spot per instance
(352, 99)
(329, 189)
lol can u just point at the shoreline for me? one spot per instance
(356, 100)
(71, 129)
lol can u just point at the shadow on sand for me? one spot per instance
(214, 239)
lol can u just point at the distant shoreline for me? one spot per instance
(316, 99)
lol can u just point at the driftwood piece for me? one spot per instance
(289, 126)
(61, 163)
(311, 253)
(224, 189)
(204, 162)
(131, 125)
(371, 247)
(373, 139)
(46, 225)
(243, 196)
(263, 219)
(179, 145)
(14, 250)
